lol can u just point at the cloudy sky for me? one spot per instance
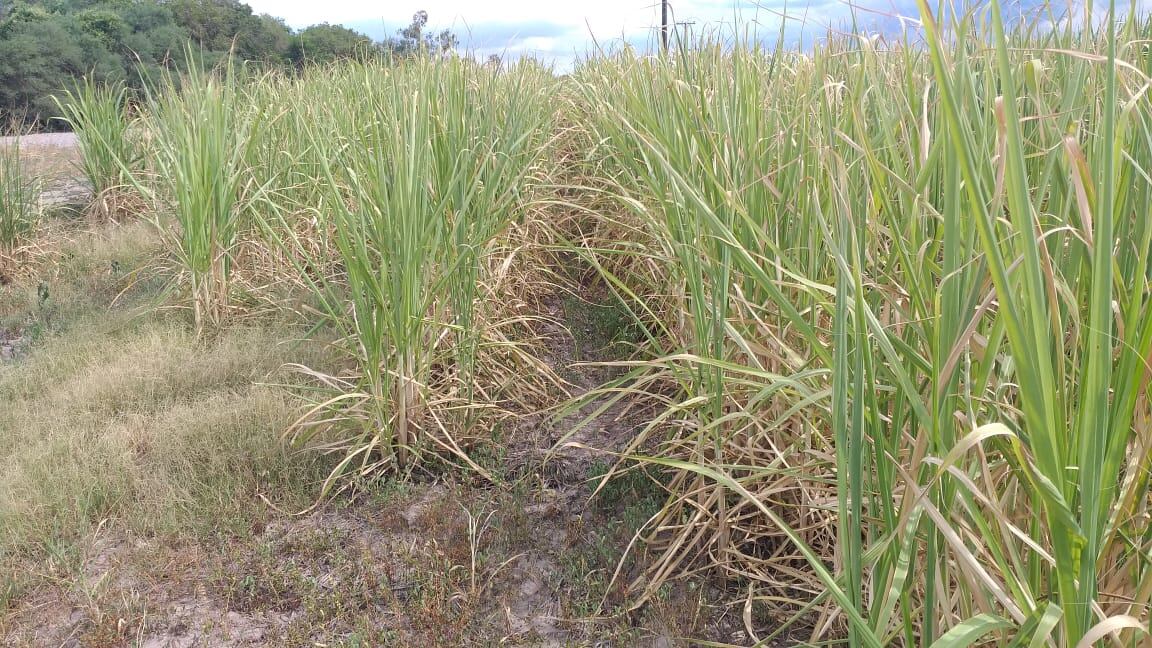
(560, 30)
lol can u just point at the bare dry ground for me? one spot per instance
(43, 141)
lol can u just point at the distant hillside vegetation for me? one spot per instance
(46, 44)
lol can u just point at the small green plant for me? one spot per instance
(19, 199)
(608, 329)
(201, 138)
(97, 114)
(11, 589)
(633, 493)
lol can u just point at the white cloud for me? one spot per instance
(604, 14)
(1075, 13)
(559, 31)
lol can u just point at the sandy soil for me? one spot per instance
(53, 157)
(44, 140)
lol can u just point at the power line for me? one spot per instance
(664, 11)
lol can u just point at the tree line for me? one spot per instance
(45, 45)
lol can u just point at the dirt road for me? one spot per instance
(53, 157)
(43, 141)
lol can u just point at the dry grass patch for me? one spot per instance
(119, 417)
(147, 426)
(75, 274)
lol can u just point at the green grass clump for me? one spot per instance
(422, 166)
(98, 116)
(200, 135)
(19, 199)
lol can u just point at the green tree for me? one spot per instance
(41, 54)
(46, 44)
(326, 43)
(153, 37)
(413, 38)
(223, 26)
(105, 24)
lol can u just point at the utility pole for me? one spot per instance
(664, 24)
